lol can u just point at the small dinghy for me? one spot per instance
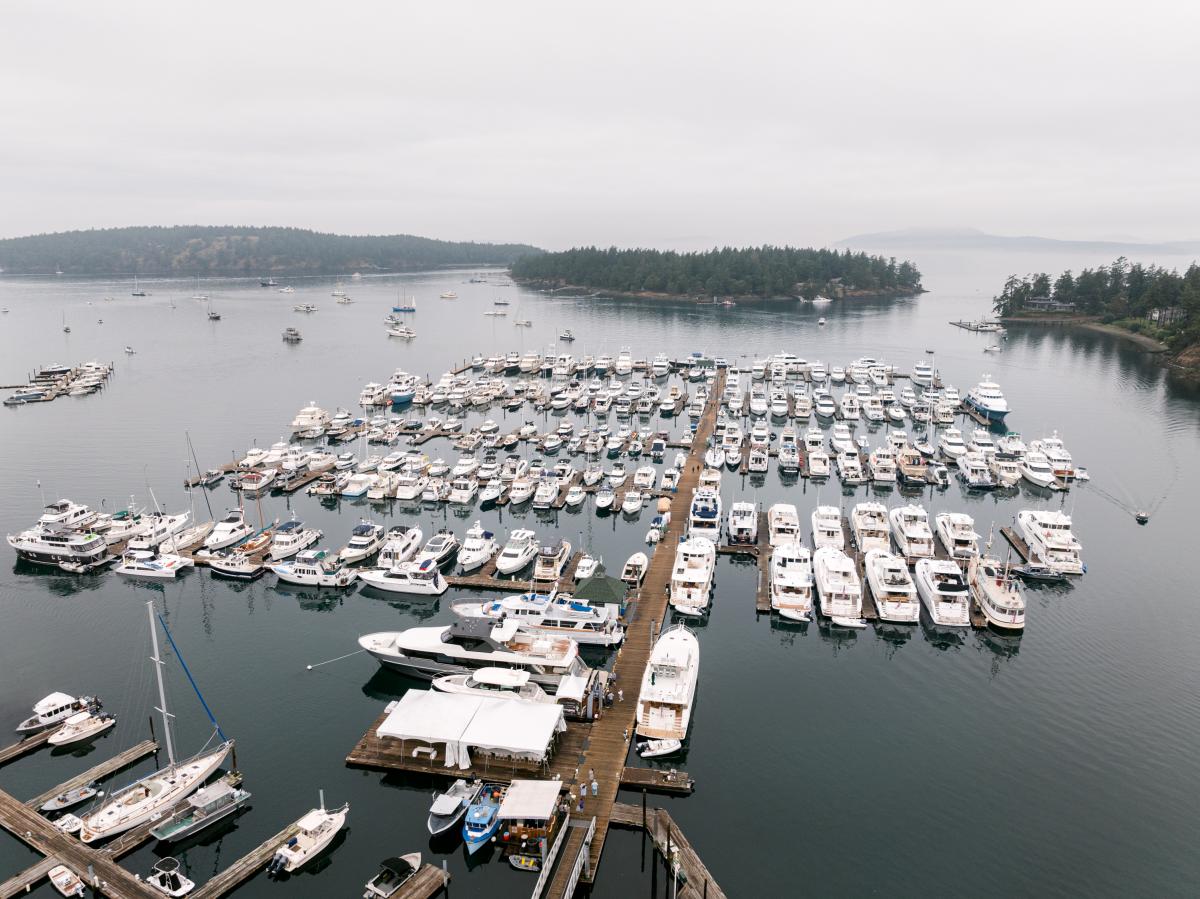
(166, 878)
(448, 807)
(649, 749)
(69, 823)
(526, 862)
(65, 881)
(71, 797)
(853, 623)
(393, 873)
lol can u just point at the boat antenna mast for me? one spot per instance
(162, 693)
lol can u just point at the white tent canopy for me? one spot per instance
(502, 727)
(530, 800)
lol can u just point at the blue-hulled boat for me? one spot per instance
(483, 818)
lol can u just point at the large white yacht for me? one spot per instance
(892, 587)
(742, 526)
(838, 587)
(783, 524)
(51, 547)
(231, 529)
(998, 593)
(792, 581)
(552, 613)
(311, 417)
(956, 530)
(664, 708)
(1035, 468)
(692, 576)
(519, 551)
(869, 526)
(911, 533)
(479, 545)
(704, 519)
(468, 644)
(1047, 533)
(1056, 455)
(365, 540)
(986, 399)
(64, 515)
(944, 593)
(827, 527)
(422, 578)
(552, 558)
(314, 568)
(290, 538)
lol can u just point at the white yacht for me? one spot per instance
(313, 568)
(892, 587)
(146, 563)
(416, 577)
(478, 547)
(792, 581)
(1048, 535)
(402, 543)
(314, 832)
(311, 417)
(291, 537)
(410, 485)
(439, 548)
(494, 683)
(742, 527)
(987, 400)
(922, 374)
(624, 363)
(956, 530)
(704, 517)
(52, 710)
(65, 515)
(552, 613)
(840, 441)
(158, 792)
(64, 548)
(552, 559)
(365, 540)
(783, 524)
(951, 445)
(911, 533)
(692, 575)
(231, 529)
(998, 593)
(468, 644)
(1056, 455)
(839, 590)
(827, 527)
(869, 526)
(944, 593)
(664, 708)
(519, 551)
(1035, 468)
(80, 727)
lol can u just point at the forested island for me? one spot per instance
(207, 250)
(764, 272)
(1148, 300)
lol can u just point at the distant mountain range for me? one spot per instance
(974, 239)
(237, 250)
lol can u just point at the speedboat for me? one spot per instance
(827, 527)
(231, 529)
(892, 587)
(52, 710)
(1048, 535)
(668, 689)
(998, 593)
(421, 577)
(315, 831)
(82, 726)
(166, 878)
(634, 570)
(313, 568)
(911, 533)
(839, 590)
(792, 581)
(365, 540)
(956, 530)
(519, 551)
(483, 818)
(692, 576)
(944, 593)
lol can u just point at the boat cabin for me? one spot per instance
(530, 816)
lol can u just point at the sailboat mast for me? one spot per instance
(162, 693)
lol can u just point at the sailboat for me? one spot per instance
(198, 295)
(405, 304)
(66, 327)
(137, 291)
(157, 793)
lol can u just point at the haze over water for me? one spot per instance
(1060, 763)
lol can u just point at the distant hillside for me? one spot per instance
(201, 250)
(766, 272)
(974, 239)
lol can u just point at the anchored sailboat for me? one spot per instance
(157, 793)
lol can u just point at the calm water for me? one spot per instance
(1060, 763)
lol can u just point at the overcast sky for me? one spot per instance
(558, 123)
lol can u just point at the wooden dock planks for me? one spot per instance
(245, 867)
(111, 766)
(425, 883)
(657, 780)
(24, 747)
(696, 881)
(20, 882)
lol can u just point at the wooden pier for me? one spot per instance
(657, 780)
(24, 747)
(245, 867)
(428, 881)
(695, 881)
(104, 769)
(1018, 543)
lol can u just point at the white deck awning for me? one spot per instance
(530, 800)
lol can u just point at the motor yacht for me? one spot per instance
(791, 581)
(892, 587)
(839, 591)
(668, 688)
(146, 563)
(314, 568)
(944, 593)
(997, 590)
(230, 530)
(365, 540)
(742, 526)
(869, 526)
(64, 515)
(974, 472)
(1035, 468)
(73, 550)
(555, 614)
(911, 533)
(692, 575)
(552, 559)
(1047, 533)
(987, 400)
(951, 445)
(827, 527)
(1056, 454)
(704, 516)
(519, 551)
(421, 577)
(956, 530)
(478, 547)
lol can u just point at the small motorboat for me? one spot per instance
(315, 831)
(65, 880)
(165, 877)
(450, 806)
(69, 823)
(526, 862)
(1044, 573)
(649, 749)
(80, 727)
(634, 571)
(130, 350)
(71, 797)
(393, 873)
(212, 477)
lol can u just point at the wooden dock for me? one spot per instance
(657, 780)
(695, 881)
(428, 881)
(245, 867)
(24, 747)
(104, 769)
(23, 881)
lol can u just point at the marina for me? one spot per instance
(651, 462)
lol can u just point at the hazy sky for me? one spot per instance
(558, 123)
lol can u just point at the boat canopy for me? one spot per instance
(530, 800)
(211, 795)
(398, 866)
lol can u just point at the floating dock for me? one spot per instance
(695, 881)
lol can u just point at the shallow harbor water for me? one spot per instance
(1058, 763)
